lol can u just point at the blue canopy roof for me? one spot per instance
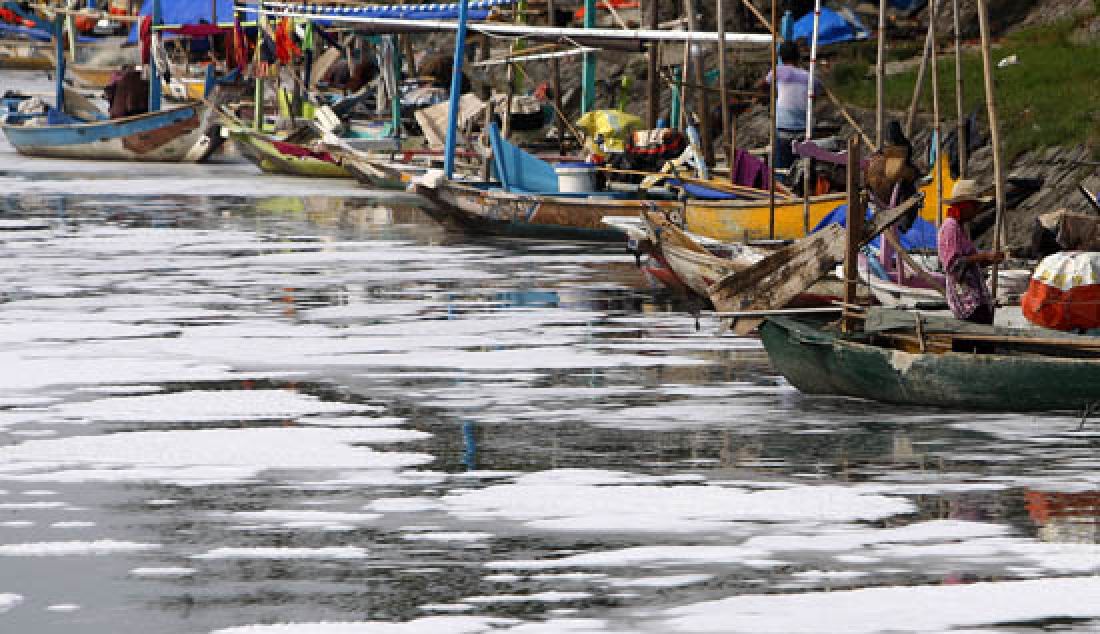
(833, 28)
(184, 12)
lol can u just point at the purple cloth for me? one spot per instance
(967, 294)
(751, 171)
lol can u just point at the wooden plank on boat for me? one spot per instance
(779, 278)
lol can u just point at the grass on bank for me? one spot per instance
(1051, 97)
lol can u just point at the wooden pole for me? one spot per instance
(771, 126)
(653, 105)
(702, 101)
(937, 172)
(918, 88)
(723, 87)
(880, 77)
(213, 11)
(963, 144)
(555, 82)
(854, 232)
(811, 95)
(995, 132)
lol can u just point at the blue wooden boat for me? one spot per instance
(174, 135)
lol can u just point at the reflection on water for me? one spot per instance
(222, 410)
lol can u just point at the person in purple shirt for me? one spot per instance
(790, 102)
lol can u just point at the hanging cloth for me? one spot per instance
(146, 38)
(241, 53)
(286, 49)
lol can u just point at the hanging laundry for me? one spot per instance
(286, 49)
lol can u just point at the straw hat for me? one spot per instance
(968, 190)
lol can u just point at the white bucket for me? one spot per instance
(576, 178)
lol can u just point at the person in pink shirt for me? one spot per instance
(968, 295)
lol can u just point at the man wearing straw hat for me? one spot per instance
(967, 294)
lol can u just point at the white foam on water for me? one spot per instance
(667, 581)
(405, 505)
(211, 455)
(334, 552)
(167, 572)
(13, 506)
(64, 549)
(640, 556)
(208, 405)
(305, 519)
(9, 601)
(63, 607)
(566, 626)
(893, 609)
(425, 625)
(452, 536)
(537, 597)
(542, 501)
(72, 524)
(16, 524)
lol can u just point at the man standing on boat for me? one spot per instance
(790, 102)
(967, 293)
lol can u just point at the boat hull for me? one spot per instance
(818, 362)
(259, 151)
(529, 216)
(176, 135)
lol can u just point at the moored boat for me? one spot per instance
(178, 134)
(910, 359)
(275, 156)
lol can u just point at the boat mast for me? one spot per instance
(880, 76)
(995, 132)
(456, 90)
(723, 90)
(588, 72)
(771, 127)
(59, 53)
(963, 142)
(653, 104)
(937, 166)
(811, 96)
(154, 75)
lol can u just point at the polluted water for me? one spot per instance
(245, 404)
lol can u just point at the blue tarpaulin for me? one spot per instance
(26, 33)
(833, 28)
(908, 5)
(921, 237)
(184, 12)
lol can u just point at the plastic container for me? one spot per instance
(576, 178)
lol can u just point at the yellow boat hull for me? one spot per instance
(735, 221)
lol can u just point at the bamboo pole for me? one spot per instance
(653, 104)
(995, 132)
(727, 134)
(555, 80)
(811, 96)
(854, 232)
(918, 87)
(702, 102)
(963, 143)
(771, 126)
(880, 77)
(937, 173)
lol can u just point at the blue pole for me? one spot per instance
(154, 76)
(588, 71)
(59, 52)
(456, 89)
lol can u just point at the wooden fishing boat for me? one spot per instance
(490, 208)
(175, 135)
(373, 172)
(275, 156)
(909, 359)
(18, 54)
(698, 263)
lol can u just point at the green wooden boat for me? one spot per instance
(275, 156)
(895, 360)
